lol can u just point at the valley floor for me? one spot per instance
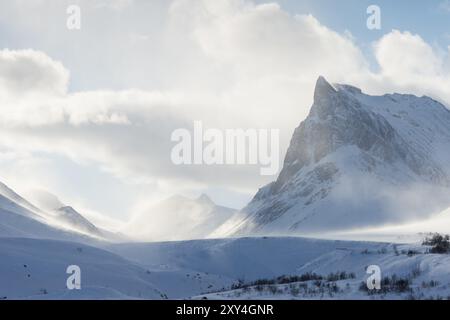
(242, 268)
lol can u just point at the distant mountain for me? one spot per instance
(355, 161)
(179, 218)
(68, 217)
(73, 218)
(10, 200)
(20, 218)
(17, 221)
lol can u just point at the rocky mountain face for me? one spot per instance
(357, 161)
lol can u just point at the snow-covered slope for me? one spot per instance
(11, 201)
(20, 221)
(179, 218)
(357, 161)
(36, 269)
(246, 258)
(61, 215)
(16, 225)
(20, 218)
(267, 258)
(67, 216)
(407, 272)
(73, 218)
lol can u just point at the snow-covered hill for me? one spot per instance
(247, 260)
(21, 218)
(407, 272)
(36, 269)
(16, 225)
(179, 218)
(219, 269)
(11, 201)
(357, 161)
(65, 216)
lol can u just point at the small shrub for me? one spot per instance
(296, 282)
(294, 291)
(411, 253)
(43, 291)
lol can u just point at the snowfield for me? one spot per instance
(36, 269)
(252, 259)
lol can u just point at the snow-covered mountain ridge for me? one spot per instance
(21, 218)
(357, 160)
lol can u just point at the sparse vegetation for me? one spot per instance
(340, 276)
(439, 243)
(319, 288)
(430, 284)
(390, 284)
(319, 280)
(411, 252)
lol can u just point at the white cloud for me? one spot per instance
(422, 71)
(420, 61)
(263, 40)
(28, 72)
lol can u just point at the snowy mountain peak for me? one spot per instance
(323, 89)
(204, 198)
(358, 160)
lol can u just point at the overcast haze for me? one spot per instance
(87, 114)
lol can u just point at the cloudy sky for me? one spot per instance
(88, 114)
